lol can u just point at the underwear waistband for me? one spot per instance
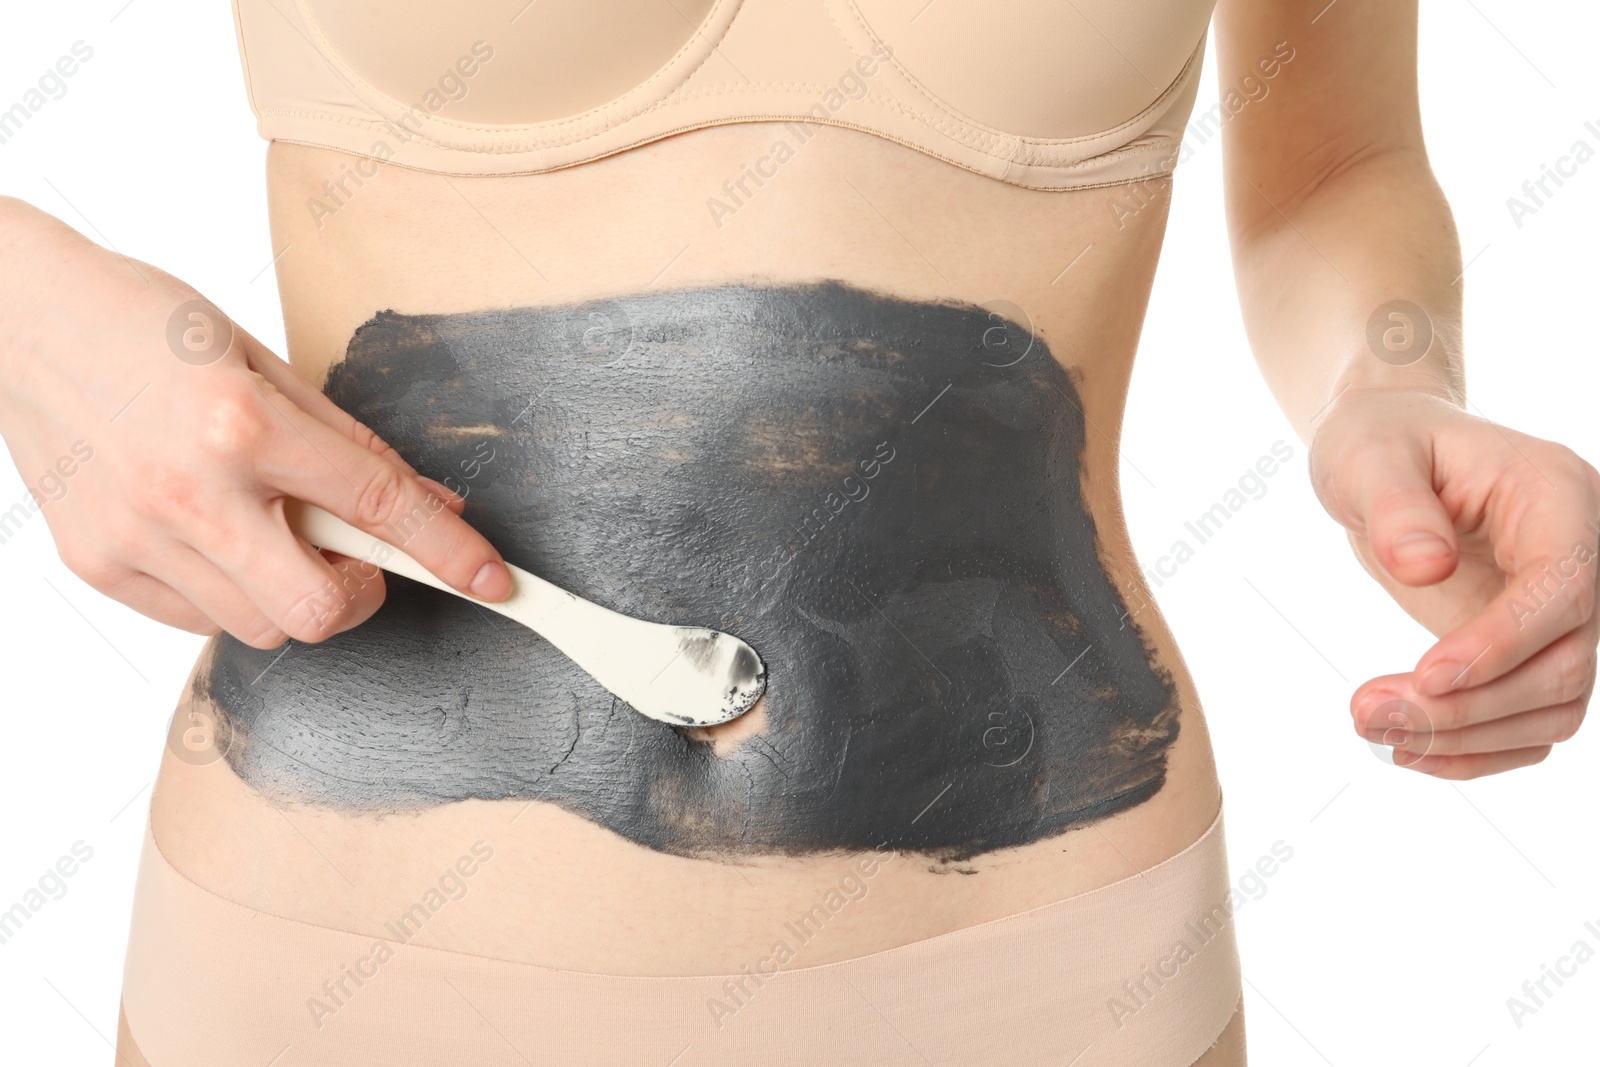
(1144, 970)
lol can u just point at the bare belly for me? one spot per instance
(863, 414)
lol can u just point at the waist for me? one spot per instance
(1161, 938)
(958, 672)
(728, 204)
(878, 470)
(883, 502)
(570, 894)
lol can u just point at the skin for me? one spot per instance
(935, 620)
(1452, 514)
(1329, 169)
(192, 534)
(605, 231)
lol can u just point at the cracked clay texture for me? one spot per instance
(882, 496)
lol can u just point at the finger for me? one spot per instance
(307, 594)
(1391, 494)
(311, 462)
(283, 377)
(1551, 550)
(155, 599)
(199, 581)
(452, 500)
(1542, 726)
(1556, 674)
(1461, 768)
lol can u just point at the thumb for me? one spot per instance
(1389, 491)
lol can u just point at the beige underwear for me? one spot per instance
(1142, 972)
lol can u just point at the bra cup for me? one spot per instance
(506, 62)
(1050, 70)
(1044, 94)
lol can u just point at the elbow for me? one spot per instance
(1263, 203)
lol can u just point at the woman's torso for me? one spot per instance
(863, 412)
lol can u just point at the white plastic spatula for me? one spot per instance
(684, 675)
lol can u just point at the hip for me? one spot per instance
(1143, 970)
(600, 876)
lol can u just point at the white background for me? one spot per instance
(1411, 909)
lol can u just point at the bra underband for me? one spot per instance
(1062, 94)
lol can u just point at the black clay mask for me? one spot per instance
(882, 496)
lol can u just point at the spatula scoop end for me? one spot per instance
(725, 669)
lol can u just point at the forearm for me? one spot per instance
(1315, 273)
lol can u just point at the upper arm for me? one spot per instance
(1345, 90)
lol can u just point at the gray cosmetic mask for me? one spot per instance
(882, 496)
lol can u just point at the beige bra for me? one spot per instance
(1048, 94)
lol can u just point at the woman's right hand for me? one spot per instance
(161, 441)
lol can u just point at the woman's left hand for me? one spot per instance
(1487, 537)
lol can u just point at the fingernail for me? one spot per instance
(491, 582)
(1442, 677)
(1417, 546)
